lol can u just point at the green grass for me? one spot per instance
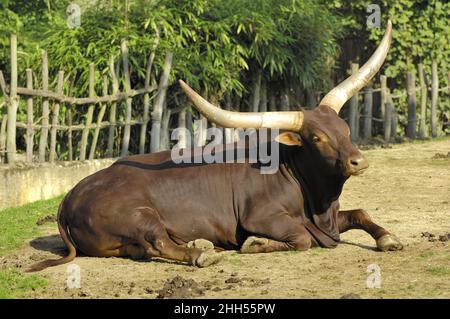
(18, 224)
(14, 284)
(427, 254)
(439, 270)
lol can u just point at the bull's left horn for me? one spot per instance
(281, 120)
(346, 89)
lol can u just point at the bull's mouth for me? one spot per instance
(358, 172)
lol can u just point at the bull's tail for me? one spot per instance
(63, 230)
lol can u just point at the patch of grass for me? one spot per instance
(18, 224)
(14, 284)
(427, 254)
(439, 270)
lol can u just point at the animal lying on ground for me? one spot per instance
(149, 206)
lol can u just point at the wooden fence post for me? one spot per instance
(423, 101)
(394, 118)
(89, 114)
(159, 102)
(368, 109)
(383, 94)
(148, 76)
(3, 137)
(434, 98)
(45, 110)
(69, 132)
(388, 118)
(100, 115)
(353, 109)
(412, 104)
(55, 118)
(30, 129)
(13, 103)
(127, 127)
(112, 113)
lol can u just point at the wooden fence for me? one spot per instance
(48, 123)
(388, 115)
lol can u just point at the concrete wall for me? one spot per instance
(23, 184)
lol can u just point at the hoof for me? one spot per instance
(208, 258)
(389, 242)
(201, 244)
(252, 244)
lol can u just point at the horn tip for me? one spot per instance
(389, 24)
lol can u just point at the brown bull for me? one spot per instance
(149, 206)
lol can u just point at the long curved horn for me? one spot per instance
(345, 90)
(281, 120)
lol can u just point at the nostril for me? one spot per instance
(355, 161)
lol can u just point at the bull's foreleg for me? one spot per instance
(359, 219)
(277, 233)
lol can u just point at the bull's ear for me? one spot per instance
(289, 138)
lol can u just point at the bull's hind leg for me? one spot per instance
(157, 243)
(359, 219)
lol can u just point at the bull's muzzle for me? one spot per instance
(356, 164)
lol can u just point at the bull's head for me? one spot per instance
(321, 130)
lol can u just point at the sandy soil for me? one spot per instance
(405, 190)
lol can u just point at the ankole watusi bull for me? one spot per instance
(148, 206)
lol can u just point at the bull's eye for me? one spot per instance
(316, 139)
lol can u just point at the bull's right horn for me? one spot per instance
(291, 121)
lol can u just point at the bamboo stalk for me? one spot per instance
(112, 113)
(99, 120)
(55, 118)
(13, 103)
(45, 110)
(89, 114)
(30, 131)
(423, 102)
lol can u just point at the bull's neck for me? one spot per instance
(319, 189)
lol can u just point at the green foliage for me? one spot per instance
(216, 44)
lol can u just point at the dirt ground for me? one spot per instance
(406, 190)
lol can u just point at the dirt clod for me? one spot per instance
(441, 156)
(178, 287)
(46, 219)
(233, 280)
